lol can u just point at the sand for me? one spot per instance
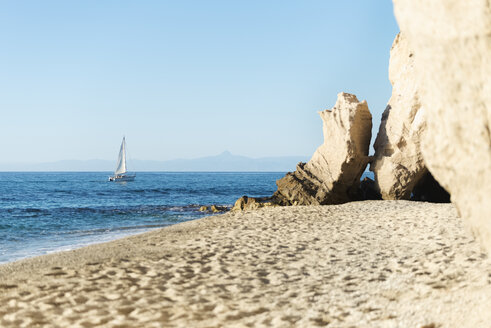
(362, 264)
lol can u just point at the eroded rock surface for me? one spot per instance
(398, 163)
(333, 174)
(253, 203)
(452, 44)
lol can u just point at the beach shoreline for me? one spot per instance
(370, 263)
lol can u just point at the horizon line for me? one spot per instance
(153, 160)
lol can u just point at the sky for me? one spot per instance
(184, 79)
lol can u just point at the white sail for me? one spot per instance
(121, 167)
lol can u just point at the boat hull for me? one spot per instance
(122, 178)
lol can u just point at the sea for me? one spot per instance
(46, 212)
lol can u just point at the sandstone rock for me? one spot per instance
(452, 65)
(217, 209)
(213, 208)
(398, 163)
(250, 203)
(333, 174)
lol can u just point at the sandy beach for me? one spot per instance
(361, 264)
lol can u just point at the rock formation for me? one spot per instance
(452, 66)
(214, 208)
(398, 163)
(251, 203)
(333, 174)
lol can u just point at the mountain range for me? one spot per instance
(225, 161)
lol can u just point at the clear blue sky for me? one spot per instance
(184, 79)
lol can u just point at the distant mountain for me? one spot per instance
(222, 162)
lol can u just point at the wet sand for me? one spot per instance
(362, 264)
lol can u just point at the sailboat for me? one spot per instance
(120, 174)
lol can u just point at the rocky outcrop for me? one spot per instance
(452, 66)
(333, 174)
(398, 163)
(214, 208)
(251, 203)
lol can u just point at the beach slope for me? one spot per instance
(363, 264)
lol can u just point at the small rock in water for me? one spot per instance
(216, 208)
(213, 208)
(252, 203)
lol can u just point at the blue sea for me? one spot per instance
(46, 212)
